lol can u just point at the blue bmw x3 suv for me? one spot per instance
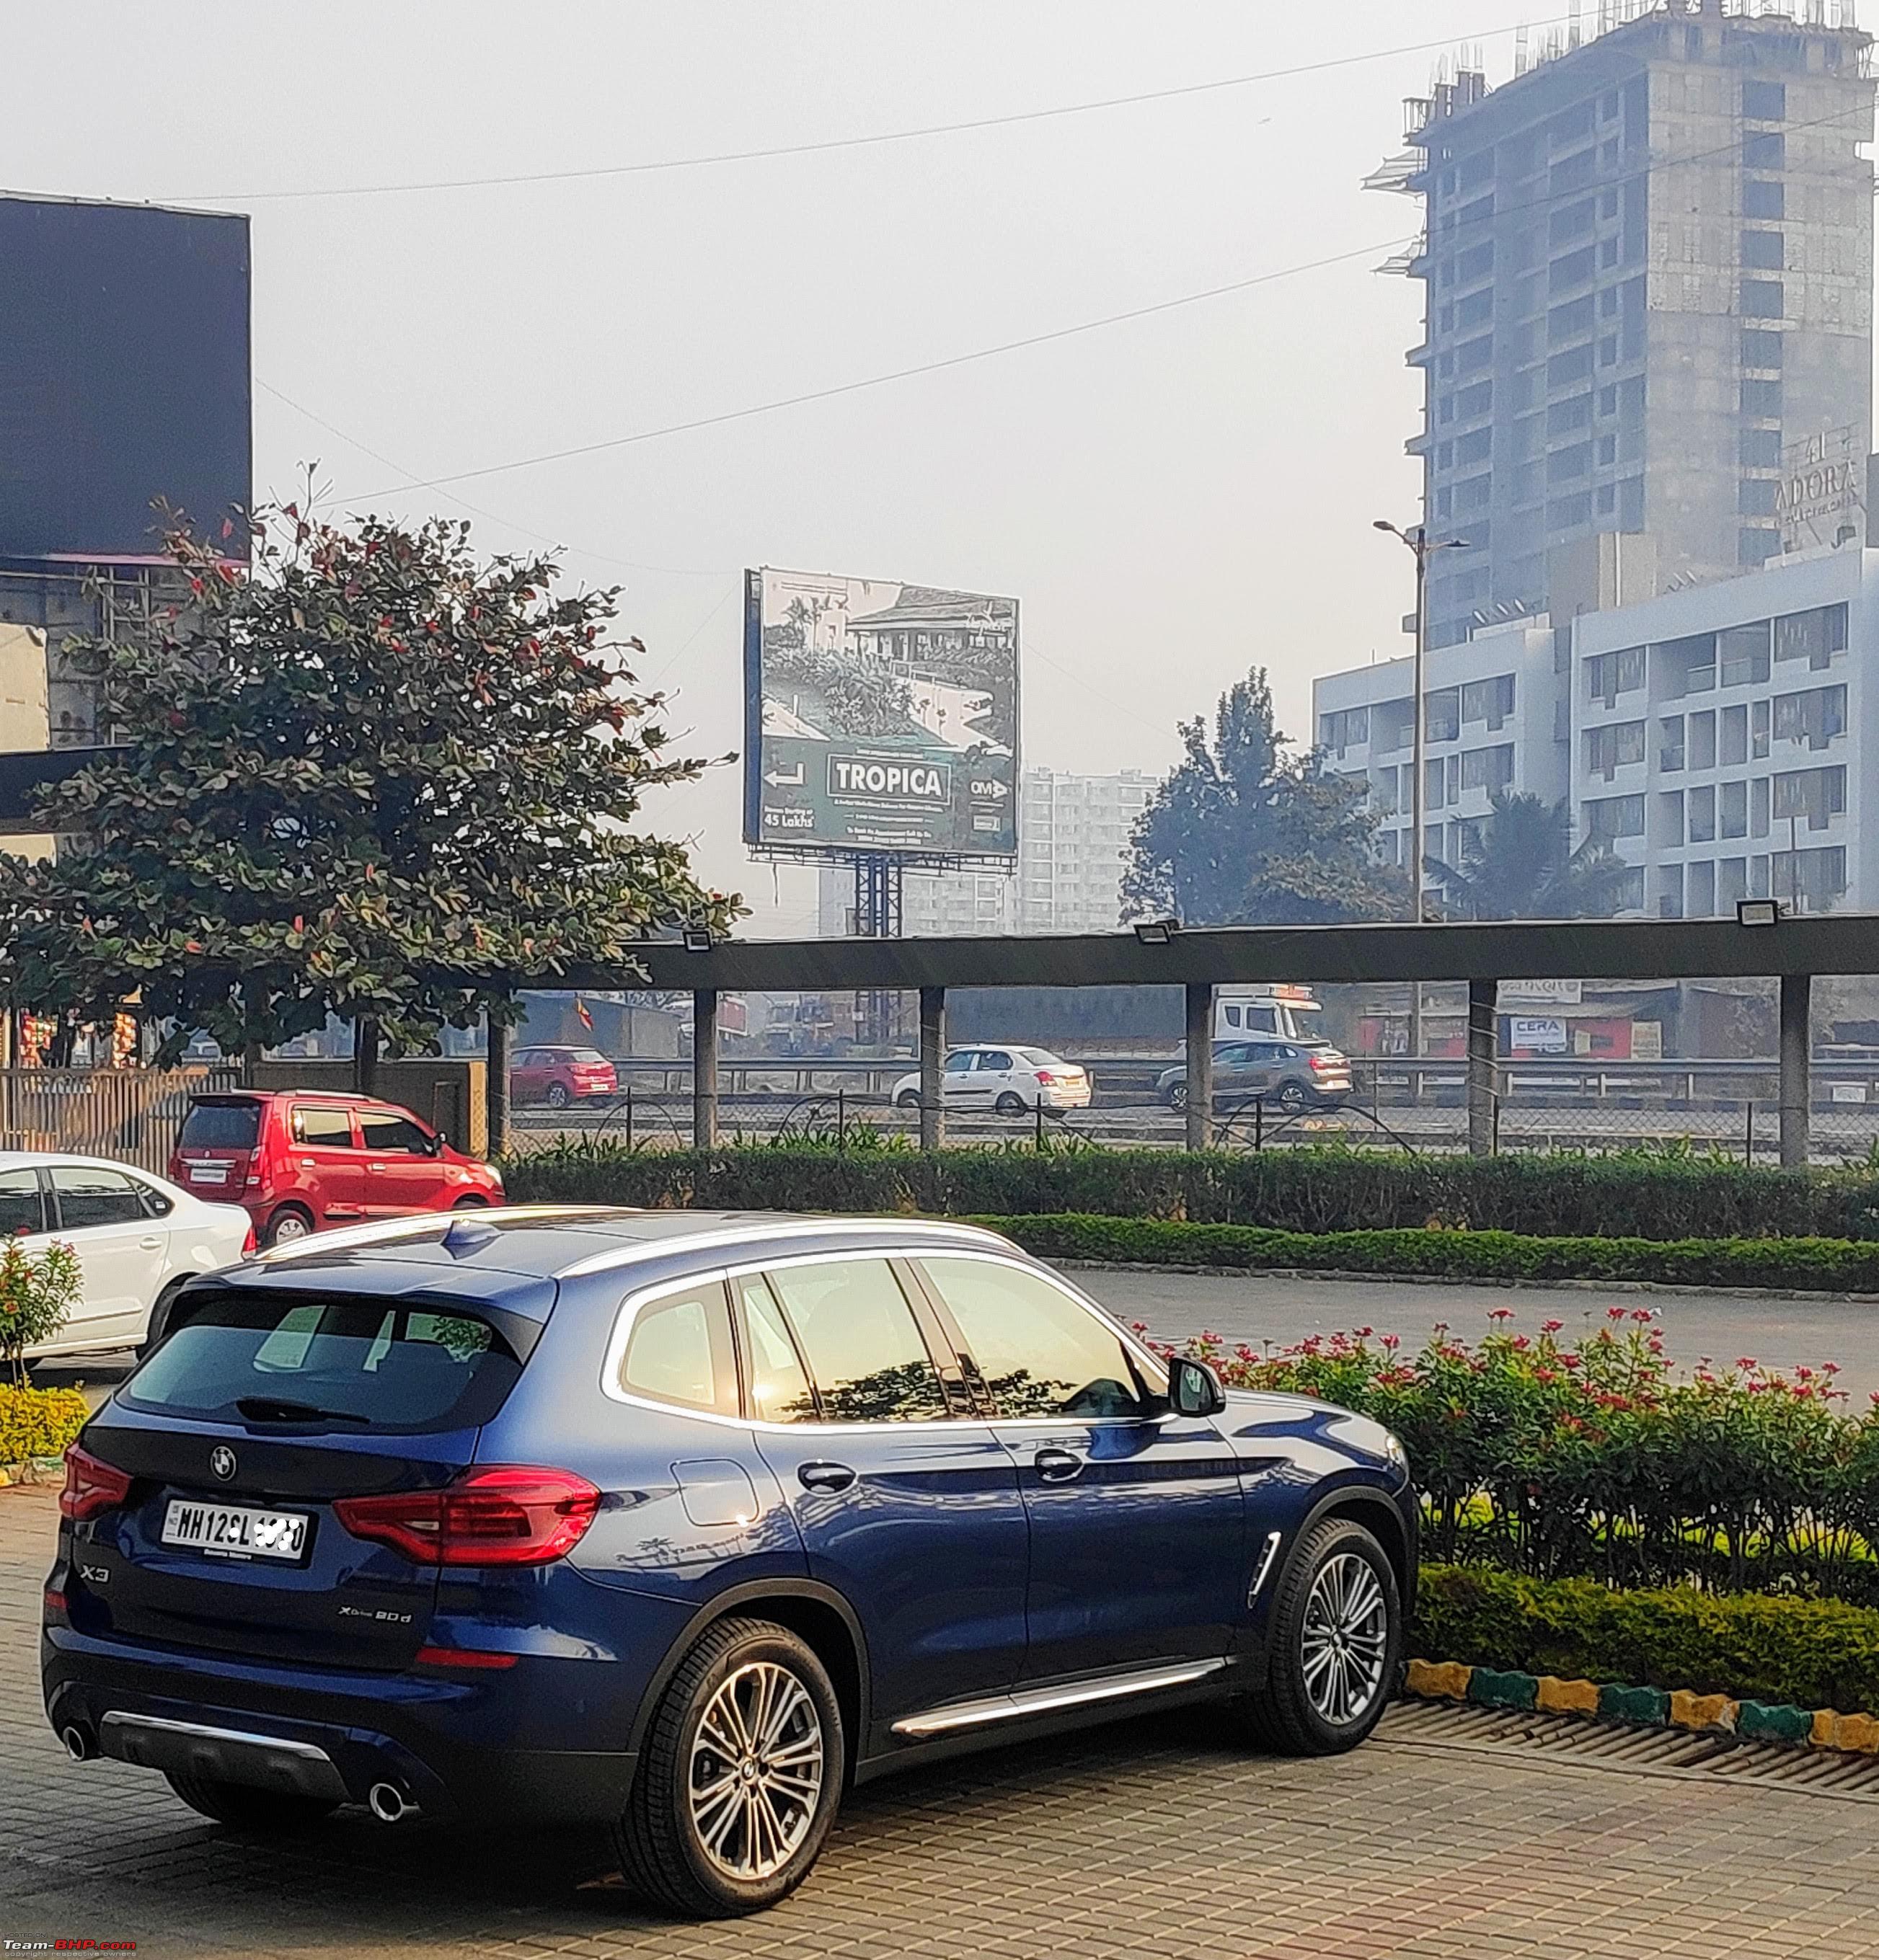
(685, 1521)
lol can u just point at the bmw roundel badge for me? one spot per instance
(221, 1461)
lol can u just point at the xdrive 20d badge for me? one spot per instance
(688, 1523)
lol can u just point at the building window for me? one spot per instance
(1700, 809)
(1758, 806)
(1608, 748)
(1762, 299)
(1575, 364)
(1344, 728)
(1763, 251)
(1474, 354)
(1815, 636)
(1755, 496)
(1489, 769)
(1754, 548)
(1477, 400)
(1630, 891)
(1742, 655)
(1670, 753)
(1442, 715)
(1765, 101)
(1700, 893)
(1615, 816)
(1764, 150)
(1607, 675)
(1760, 349)
(1733, 810)
(1491, 701)
(1702, 740)
(1761, 449)
(1733, 744)
(1763, 197)
(1816, 794)
(1814, 717)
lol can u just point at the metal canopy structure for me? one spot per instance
(1569, 950)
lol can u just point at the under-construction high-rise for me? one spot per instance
(1648, 263)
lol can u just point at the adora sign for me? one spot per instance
(1823, 483)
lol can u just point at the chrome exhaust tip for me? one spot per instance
(388, 1803)
(80, 1745)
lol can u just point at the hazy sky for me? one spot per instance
(1172, 498)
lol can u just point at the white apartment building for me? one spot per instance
(1492, 724)
(1719, 733)
(1073, 846)
(1712, 736)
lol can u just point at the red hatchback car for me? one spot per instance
(560, 1076)
(299, 1161)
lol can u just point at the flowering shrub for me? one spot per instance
(37, 1291)
(1591, 1457)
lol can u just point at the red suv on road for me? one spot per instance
(560, 1076)
(300, 1161)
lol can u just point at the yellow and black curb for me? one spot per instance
(1644, 1707)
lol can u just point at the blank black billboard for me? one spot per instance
(123, 374)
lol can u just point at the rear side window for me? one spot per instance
(88, 1198)
(21, 1207)
(1040, 1353)
(679, 1351)
(323, 1129)
(779, 1389)
(335, 1365)
(863, 1346)
(221, 1126)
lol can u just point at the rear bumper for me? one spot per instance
(444, 1743)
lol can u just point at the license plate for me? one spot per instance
(234, 1530)
(208, 1174)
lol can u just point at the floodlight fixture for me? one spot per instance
(1758, 911)
(1157, 932)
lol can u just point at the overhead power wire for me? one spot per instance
(1649, 167)
(877, 138)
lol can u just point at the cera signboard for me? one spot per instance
(879, 716)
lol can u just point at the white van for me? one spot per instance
(1290, 1013)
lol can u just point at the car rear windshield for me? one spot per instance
(221, 1126)
(588, 1056)
(299, 1362)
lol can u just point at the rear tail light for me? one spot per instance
(250, 1243)
(90, 1486)
(504, 1514)
(55, 1601)
(1045, 1080)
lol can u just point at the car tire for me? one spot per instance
(1175, 1095)
(1009, 1105)
(908, 1099)
(1292, 1098)
(265, 1812)
(557, 1096)
(1323, 1696)
(697, 1856)
(290, 1222)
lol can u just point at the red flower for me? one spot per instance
(1614, 1313)
(1501, 1313)
(1551, 1326)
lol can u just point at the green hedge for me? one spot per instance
(39, 1422)
(1809, 1653)
(1629, 1195)
(1834, 1265)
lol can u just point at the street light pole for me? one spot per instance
(1421, 544)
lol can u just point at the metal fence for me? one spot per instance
(130, 1114)
(1722, 1108)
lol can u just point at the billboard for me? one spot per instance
(879, 716)
(124, 375)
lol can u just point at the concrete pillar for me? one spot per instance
(1797, 1003)
(1483, 1054)
(932, 1068)
(365, 1044)
(704, 1068)
(1200, 1063)
(496, 1087)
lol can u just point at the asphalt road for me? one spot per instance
(1776, 1332)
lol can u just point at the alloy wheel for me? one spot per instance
(756, 1771)
(1345, 1642)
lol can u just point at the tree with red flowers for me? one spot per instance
(368, 774)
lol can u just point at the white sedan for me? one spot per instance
(1010, 1081)
(138, 1238)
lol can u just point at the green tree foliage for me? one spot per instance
(1242, 833)
(1522, 864)
(369, 774)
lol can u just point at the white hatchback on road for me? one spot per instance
(138, 1238)
(1010, 1081)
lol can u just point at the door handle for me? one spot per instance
(152, 1244)
(825, 1476)
(1058, 1466)
(374, 1166)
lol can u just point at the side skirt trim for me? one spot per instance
(1025, 1701)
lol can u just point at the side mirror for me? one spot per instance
(1193, 1388)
